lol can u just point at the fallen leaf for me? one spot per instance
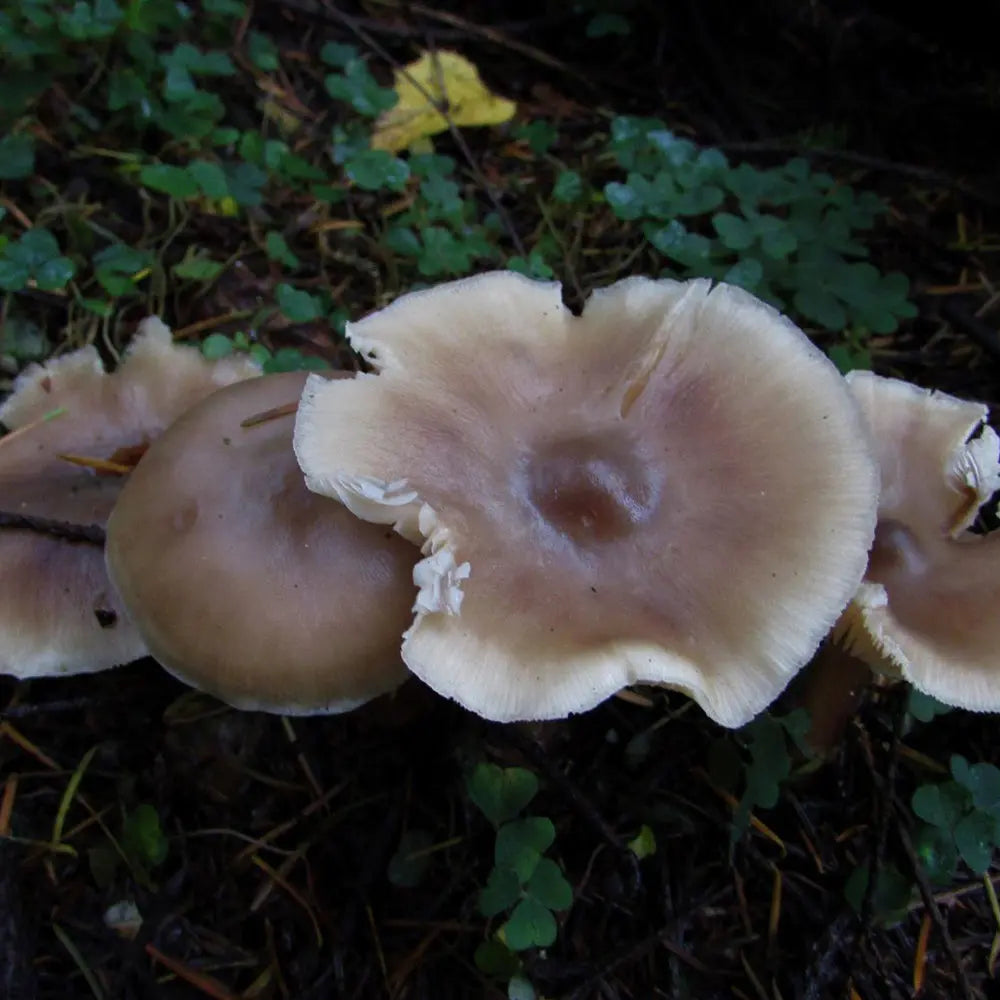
(437, 80)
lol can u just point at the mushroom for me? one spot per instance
(241, 581)
(927, 607)
(74, 431)
(674, 487)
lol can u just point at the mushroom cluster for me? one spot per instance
(529, 509)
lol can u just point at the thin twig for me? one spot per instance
(86, 534)
(937, 917)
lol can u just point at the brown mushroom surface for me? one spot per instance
(674, 487)
(245, 584)
(928, 605)
(58, 611)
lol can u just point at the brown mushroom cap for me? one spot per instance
(927, 608)
(245, 584)
(674, 487)
(59, 613)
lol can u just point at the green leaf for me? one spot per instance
(975, 838)
(981, 780)
(674, 241)
(216, 346)
(747, 273)
(245, 181)
(849, 358)
(501, 793)
(443, 197)
(298, 306)
(85, 21)
(531, 925)
(625, 202)
(818, 304)
(540, 135)
(924, 707)
(291, 359)
(210, 178)
(262, 51)
(532, 266)
(443, 253)
(377, 170)
(503, 890)
(936, 850)
(23, 340)
(890, 899)
(735, 233)
(548, 885)
(143, 837)
(35, 247)
(277, 249)
(940, 805)
(55, 273)
(643, 844)
(174, 181)
(358, 88)
(521, 842)
(14, 275)
(403, 240)
(336, 54)
(568, 187)
(409, 864)
(494, 958)
(17, 156)
(197, 267)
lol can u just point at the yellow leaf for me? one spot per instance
(437, 79)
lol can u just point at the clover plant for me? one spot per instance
(525, 887)
(788, 234)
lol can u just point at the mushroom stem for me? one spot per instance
(87, 534)
(830, 689)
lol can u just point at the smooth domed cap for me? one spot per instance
(59, 613)
(674, 487)
(927, 608)
(243, 582)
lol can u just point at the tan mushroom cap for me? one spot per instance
(674, 487)
(928, 605)
(245, 584)
(58, 611)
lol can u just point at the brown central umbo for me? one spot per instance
(591, 490)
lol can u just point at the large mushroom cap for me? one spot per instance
(244, 583)
(58, 611)
(928, 605)
(674, 487)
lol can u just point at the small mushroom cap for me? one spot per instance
(245, 584)
(59, 613)
(674, 487)
(927, 608)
